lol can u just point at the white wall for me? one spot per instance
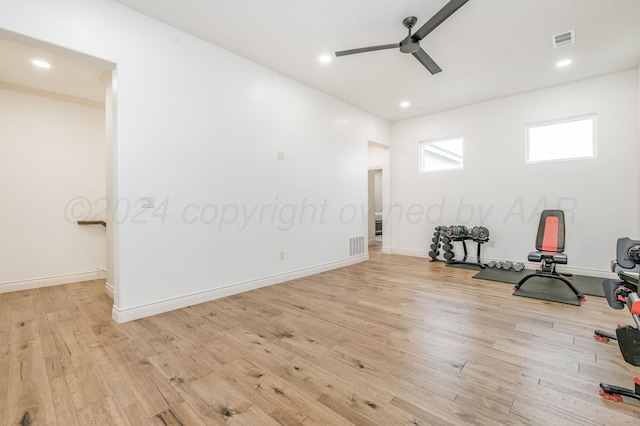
(199, 129)
(52, 158)
(497, 190)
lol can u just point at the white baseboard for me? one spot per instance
(108, 288)
(589, 272)
(412, 253)
(141, 311)
(48, 281)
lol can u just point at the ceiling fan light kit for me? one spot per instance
(411, 43)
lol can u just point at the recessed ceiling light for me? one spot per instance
(564, 63)
(405, 104)
(325, 59)
(41, 64)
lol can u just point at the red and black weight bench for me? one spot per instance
(549, 252)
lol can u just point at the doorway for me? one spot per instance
(379, 196)
(56, 144)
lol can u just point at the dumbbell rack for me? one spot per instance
(464, 239)
(461, 233)
(437, 243)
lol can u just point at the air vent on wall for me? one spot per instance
(356, 246)
(563, 39)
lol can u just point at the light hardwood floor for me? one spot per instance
(396, 340)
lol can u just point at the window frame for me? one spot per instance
(421, 162)
(594, 128)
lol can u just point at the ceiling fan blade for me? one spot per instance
(367, 49)
(426, 60)
(439, 18)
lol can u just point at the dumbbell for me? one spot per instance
(434, 254)
(447, 247)
(518, 267)
(434, 246)
(507, 265)
(448, 255)
(480, 233)
(454, 231)
(445, 240)
(492, 264)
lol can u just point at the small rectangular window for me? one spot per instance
(569, 138)
(441, 154)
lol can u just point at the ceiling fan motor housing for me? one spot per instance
(409, 45)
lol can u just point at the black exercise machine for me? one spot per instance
(621, 293)
(549, 252)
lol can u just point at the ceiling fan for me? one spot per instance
(411, 43)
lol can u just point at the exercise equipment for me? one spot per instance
(507, 265)
(437, 240)
(519, 266)
(457, 232)
(480, 233)
(621, 293)
(460, 233)
(549, 252)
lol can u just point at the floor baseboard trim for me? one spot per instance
(7, 287)
(412, 253)
(589, 272)
(108, 288)
(142, 311)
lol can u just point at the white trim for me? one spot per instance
(108, 288)
(141, 311)
(49, 281)
(563, 269)
(589, 272)
(412, 253)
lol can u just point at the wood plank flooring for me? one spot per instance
(393, 341)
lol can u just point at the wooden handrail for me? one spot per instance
(92, 222)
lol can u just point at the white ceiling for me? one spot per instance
(68, 77)
(487, 49)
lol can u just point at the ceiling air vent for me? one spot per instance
(563, 39)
